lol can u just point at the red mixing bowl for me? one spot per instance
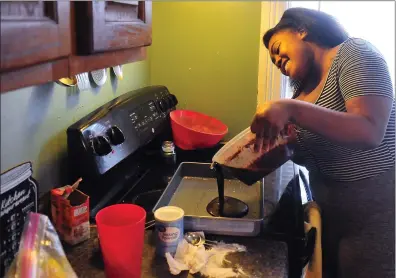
(194, 130)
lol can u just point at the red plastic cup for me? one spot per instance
(121, 237)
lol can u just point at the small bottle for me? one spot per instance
(168, 152)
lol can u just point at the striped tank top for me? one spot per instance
(358, 69)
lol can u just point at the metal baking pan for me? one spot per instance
(194, 185)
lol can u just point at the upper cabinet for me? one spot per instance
(42, 41)
(34, 32)
(112, 25)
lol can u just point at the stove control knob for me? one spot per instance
(168, 102)
(162, 105)
(173, 99)
(101, 146)
(115, 135)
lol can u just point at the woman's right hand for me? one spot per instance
(270, 121)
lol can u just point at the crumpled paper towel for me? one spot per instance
(208, 262)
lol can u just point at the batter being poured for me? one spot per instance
(225, 206)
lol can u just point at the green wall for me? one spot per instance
(206, 53)
(34, 122)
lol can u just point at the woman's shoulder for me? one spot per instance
(356, 49)
(357, 42)
(362, 70)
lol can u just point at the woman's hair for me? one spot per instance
(321, 28)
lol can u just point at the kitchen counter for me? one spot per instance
(264, 257)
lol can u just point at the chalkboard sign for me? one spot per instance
(18, 197)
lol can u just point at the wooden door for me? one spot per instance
(33, 32)
(112, 25)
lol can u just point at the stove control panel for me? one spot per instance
(108, 135)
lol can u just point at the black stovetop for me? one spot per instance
(142, 179)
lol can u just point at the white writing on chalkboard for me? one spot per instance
(13, 200)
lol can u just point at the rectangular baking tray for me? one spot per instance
(194, 185)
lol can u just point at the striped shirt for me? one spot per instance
(358, 69)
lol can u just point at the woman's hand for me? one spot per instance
(270, 120)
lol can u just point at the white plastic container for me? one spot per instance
(248, 165)
(169, 229)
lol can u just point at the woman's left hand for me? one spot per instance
(270, 120)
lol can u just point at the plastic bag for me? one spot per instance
(40, 252)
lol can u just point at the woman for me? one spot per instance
(344, 111)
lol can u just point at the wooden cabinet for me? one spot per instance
(42, 41)
(33, 32)
(112, 25)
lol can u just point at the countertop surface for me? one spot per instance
(263, 258)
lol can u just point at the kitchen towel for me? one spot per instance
(208, 262)
(314, 266)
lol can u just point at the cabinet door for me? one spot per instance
(112, 25)
(33, 32)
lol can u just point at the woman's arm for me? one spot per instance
(363, 126)
(365, 85)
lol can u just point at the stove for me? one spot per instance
(116, 149)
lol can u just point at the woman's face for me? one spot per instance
(291, 54)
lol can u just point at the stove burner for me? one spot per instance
(148, 200)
